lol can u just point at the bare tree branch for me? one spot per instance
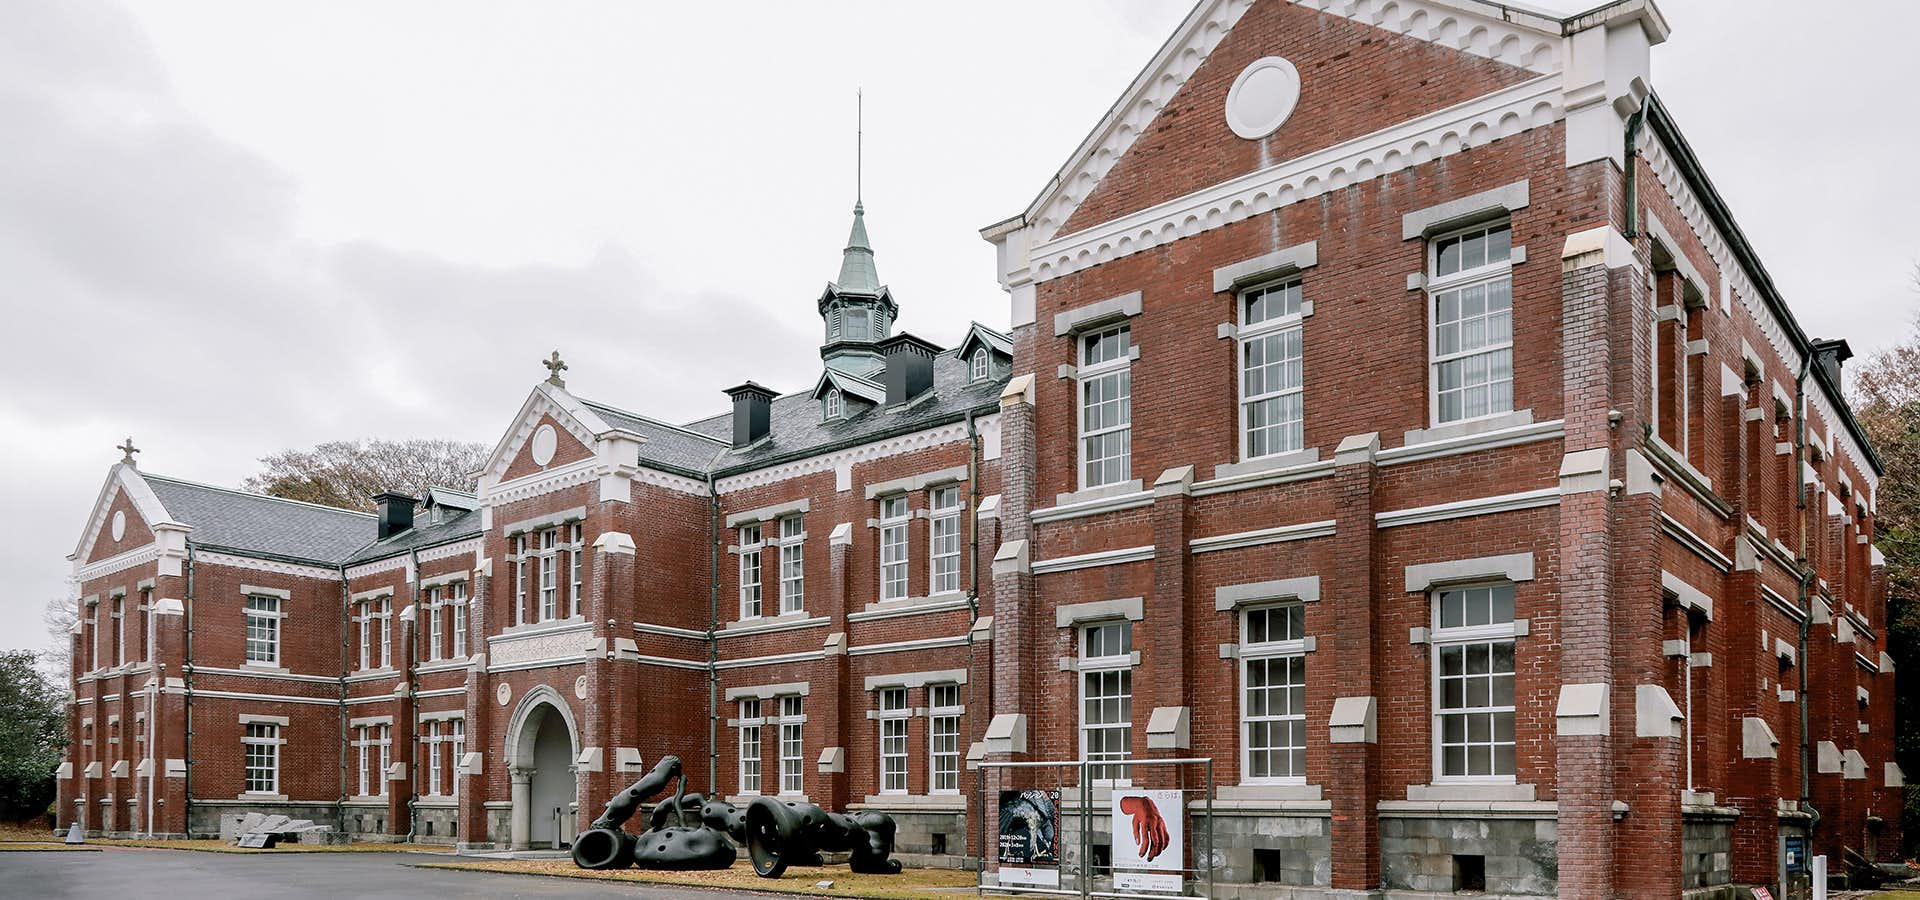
(347, 474)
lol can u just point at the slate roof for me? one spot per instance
(668, 447)
(455, 524)
(796, 429)
(256, 523)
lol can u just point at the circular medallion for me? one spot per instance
(119, 524)
(1263, 97)
(580, 687)
(544, 443)
(503, 693)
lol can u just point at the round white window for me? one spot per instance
(1262, 98)
(119, 525)
(544, 443)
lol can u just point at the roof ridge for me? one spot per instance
(240, 493)
(649, 419)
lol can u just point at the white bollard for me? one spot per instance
(1820, 877)
(75, 835)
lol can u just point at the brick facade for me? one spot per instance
(1664, 509)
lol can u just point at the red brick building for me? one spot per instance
(1393, 413)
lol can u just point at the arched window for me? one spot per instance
(833, 403)
(979, 364)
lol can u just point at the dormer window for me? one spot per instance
(832, 403)
(977, 368)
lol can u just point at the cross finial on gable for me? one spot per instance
(554, 368)
(127, 450)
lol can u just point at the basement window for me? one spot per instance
(1469, 873)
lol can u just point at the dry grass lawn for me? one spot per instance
(912, 884)
(217, 846)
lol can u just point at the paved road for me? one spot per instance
(123, 874)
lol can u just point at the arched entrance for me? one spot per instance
(542, 744)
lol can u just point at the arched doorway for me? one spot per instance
(542, 745)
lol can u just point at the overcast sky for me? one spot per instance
(228, 228)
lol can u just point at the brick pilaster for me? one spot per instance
(472, 814)
(1353, 776)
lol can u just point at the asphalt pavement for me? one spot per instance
(127, 874)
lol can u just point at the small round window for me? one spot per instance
(1262, 98)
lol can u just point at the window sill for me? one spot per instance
(531, 628)
(1267, 463)
(913, 803)
(1471, 791)
(764, 624)
(1271, 792)
(1515, 419)
(262, 797)
(1099, 493)
(909, 606)
(264, 668)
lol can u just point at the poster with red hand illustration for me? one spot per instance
(1149, 840)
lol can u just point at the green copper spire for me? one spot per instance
(857, 272)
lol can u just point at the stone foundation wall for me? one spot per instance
(927, 839)
(1266, 854)
(1518, 856)
(1706, 854)
(219, 819)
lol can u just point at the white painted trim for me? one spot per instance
(1091, 560)
(1534, 103)
(1478, 506)
(1262, 536)
(267, 565)
(904, 646)
(941, 435)
(1112, 503)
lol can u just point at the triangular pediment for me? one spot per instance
(127, 495)
(1490, 47)
(546, 404)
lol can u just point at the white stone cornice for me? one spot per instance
(397, 561)
(950, 433)
(1531, 104)
(448, 551)
(267, 565)
(118, 563)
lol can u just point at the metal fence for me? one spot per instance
(1079, 776)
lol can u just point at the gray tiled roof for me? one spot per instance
(796, 429)
(667, 446)
(455, 524)
(256, 523)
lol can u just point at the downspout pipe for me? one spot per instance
(1804, 578)
(412, 702)
(346, 603)
(713, 632)
(186, 811)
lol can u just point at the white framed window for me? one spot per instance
(943, 536)
(383, 623)
(433, 623)
(943, 735)
(119, 632)
(382, 741)
(1473, 645)
(793, 761)
(831, 405)
(977, 366)
(367, 779)
(1106, 407)
(549, 576)
(263, 630)
(459, 590)
(893, 548)
(1272, 393)
(459, 739)
(750, 722)
(894, 718)
(1470, 291)
(430, 750)
(793, 565)
(520, 579)
(749, 745)
(1106, 698)
(1273, 712)
(576, 556)
(262, 744)
(750, 571)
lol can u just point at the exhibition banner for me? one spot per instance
(1029, 851)
(1149, 840)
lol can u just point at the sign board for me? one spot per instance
(1796, 853)
(258, 840)
(1029, 850)
(1149, 840)
(1761, 893)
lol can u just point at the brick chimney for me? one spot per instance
(395, 512)
(909, 372)
(752, 408)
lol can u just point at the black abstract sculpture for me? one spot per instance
(691, 832)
